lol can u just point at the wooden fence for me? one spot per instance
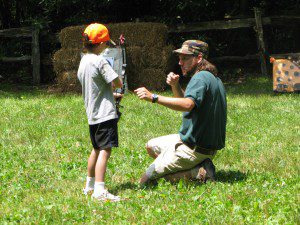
(29, 32)
(256, 23)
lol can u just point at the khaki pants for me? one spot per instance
(173, 156)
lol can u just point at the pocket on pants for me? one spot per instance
(186, 156)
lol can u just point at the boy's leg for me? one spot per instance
(92, 162)
(90, 180)
(100, 171)
(100, 192)
(101, 164)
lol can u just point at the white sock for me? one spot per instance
(99, 188)
(90, 182)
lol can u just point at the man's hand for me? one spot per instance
(144, 94)
(172, 79)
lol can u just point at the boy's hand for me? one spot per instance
(118, 95)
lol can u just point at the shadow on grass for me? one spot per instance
(125, 186)
(16, 91)
(230, 176)
(19, 91)
(221, 176)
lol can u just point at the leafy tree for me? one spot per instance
(56, 14)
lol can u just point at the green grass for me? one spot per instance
(44, 146)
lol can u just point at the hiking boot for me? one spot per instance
(206, 171)
(106, 196)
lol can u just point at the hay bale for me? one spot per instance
(71, 37)
(136, 34)
(148, 57)
(66, 60)
(67, 81)
(143, 57)
(155, 62)
(140, 34)
(157, 57)
(140, 61)
(152, 79)
(134, 55)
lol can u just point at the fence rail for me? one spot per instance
(16, 32)
(235, 24)
(29, 32)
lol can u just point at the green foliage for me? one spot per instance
(44, 145)
(49, 13)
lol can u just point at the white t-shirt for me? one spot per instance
(95, 76)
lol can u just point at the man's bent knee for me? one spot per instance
(150, 151)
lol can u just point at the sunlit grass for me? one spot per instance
(44, 145)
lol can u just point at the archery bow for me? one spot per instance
(123, 75)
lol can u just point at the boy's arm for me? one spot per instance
(117, 83)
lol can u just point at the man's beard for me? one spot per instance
(192, 71)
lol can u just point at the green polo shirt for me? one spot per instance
(205, 125)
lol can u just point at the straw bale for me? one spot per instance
(140, 61)
(148, 57)
(140, 34)
(71, 37)
(153, 79)
(66, 59)
(157, 57)
(143, 57)
(67, 81)
(134, 55)
(136, 34)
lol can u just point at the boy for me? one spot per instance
(97, 79)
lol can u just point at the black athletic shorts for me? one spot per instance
(104, 135)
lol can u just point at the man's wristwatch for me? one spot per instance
(154, 98)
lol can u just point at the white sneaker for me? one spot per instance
(88, 191)
(106, 196)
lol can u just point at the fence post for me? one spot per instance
(35, 56)
(260, 41)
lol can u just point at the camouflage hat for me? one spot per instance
(193, 47)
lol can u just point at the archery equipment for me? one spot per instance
(116, 57)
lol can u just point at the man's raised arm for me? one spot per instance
(173, 81)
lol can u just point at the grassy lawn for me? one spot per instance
(44, 146)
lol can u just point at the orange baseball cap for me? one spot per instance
(97, 33)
